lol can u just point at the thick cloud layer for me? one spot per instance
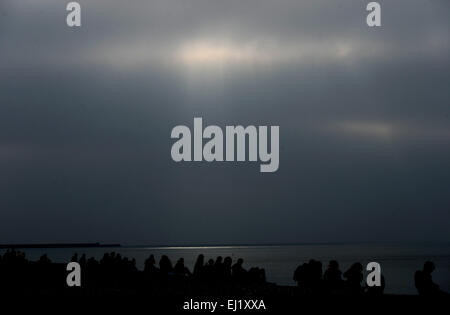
(86, 115)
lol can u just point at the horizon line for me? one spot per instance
(206, 245)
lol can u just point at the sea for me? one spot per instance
(398, 261)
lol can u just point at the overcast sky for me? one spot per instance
(86, 115)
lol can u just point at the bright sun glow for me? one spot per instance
(212, 53)
(209, 53)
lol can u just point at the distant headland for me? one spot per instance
(57, 245)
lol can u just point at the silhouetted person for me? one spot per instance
(354, 276)
(118, 258)
(309, 276)
(83, 260)
(219, 270)
(149, 266)
(300, 275)
(333, 277)
(44, 259)
(209, 270)
(424, 282)
(256, 275)
(105, 259)
(238, 272)
(218, 267)
(199, 267)
(227, 262)
(133, 265)
(165, 265)
(180, 269)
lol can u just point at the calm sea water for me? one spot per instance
(398, 262)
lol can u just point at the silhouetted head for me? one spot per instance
(357, 267)
(429, 267)
(227, 261)
(151, 259)
(164, 261)
(211, 262)
(200, 259)
(333, 264)
(219, 260)
(240, 261)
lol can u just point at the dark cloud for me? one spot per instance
(86, 115)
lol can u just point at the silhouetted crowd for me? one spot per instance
(310, 280)
(219, 271)
(115, 272)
